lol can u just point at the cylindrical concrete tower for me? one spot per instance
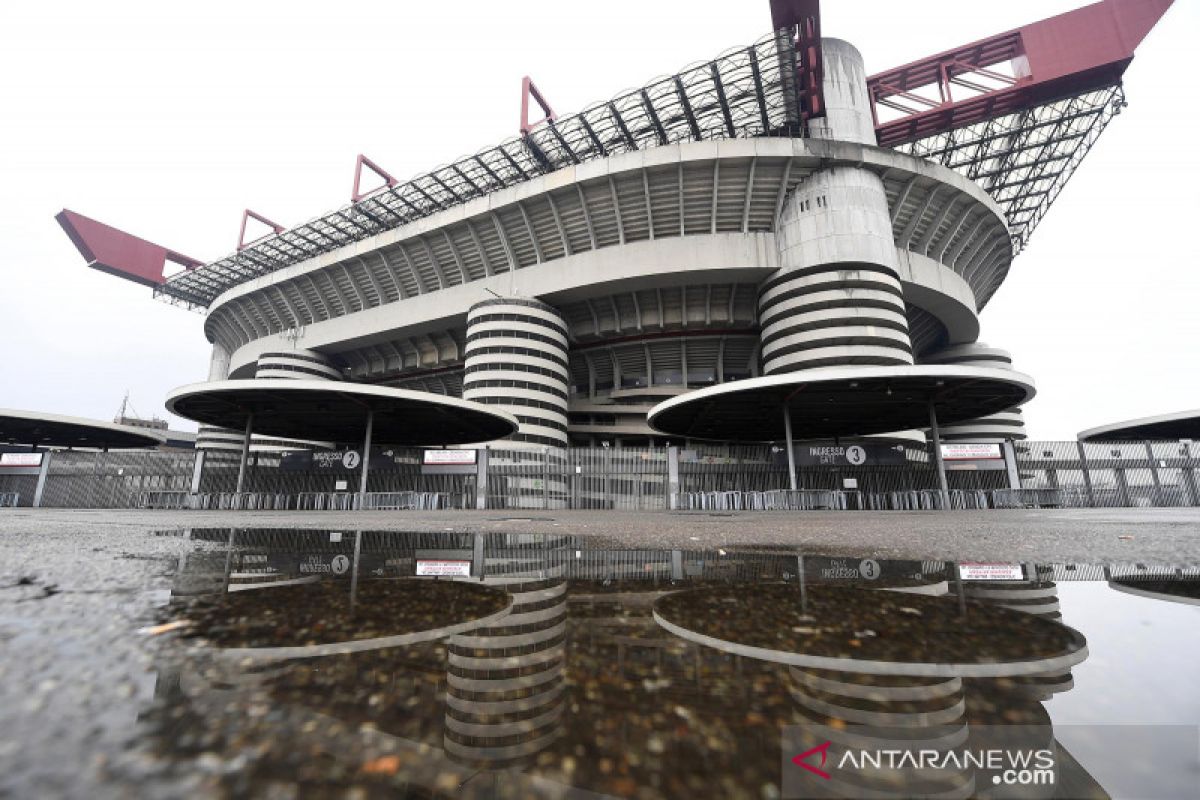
(836, 299)
(516, 358)
(296, 365)
(1008, 424)
(505, 689)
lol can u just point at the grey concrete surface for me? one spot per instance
(1121, 535)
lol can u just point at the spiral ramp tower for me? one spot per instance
(1008, 425)
(505, 693)
(295, 364)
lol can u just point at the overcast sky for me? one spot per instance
(167, 120)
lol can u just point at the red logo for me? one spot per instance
(823, 749)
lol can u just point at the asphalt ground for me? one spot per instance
(1124, 535)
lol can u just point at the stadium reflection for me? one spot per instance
(509, 665)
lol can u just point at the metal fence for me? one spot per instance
(112, 480)
(705, 478)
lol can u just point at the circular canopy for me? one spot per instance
(336, 411)
(55, 430)
(841, 401)
(1164, 427)
(870, 632)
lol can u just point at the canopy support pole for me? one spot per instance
(937, 455)
(245, 453)
(787, 435)
(362, 489)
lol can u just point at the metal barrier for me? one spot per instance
(9, 499)
(405, 501)
(326, 501)
(775, 500)
(1028, 498)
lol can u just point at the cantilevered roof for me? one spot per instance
(336, 411)
(745, 93)
(1164, 427)
(840, 401)
(55, 430)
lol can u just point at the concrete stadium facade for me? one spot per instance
(579, 299)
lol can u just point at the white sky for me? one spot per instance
(168, 119)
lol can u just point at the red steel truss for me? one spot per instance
(1017, 112)
(1064, 56)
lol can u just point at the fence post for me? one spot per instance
(41, 481)
(1087, 475)
(673, 478)
(1158, 498)
(481, 479)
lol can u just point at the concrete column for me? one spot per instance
(673, 478)
(836, 298)
(366, 459)
(245, 453)
(40, 489)
(936, 434)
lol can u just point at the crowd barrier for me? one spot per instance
(304, 501)
(9, 499)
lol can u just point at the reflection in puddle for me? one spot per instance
(537, 666)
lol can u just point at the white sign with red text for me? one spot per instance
(455, 568)
(21, 459)
(966, 451)
(991, 572)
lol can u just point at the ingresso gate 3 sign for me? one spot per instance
(852, 455)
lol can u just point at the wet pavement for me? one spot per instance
(1150, 535)
(352, 662)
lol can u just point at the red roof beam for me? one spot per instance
(1067, 55)
(118, 253)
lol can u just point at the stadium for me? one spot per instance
(634, 276)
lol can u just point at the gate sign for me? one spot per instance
(444, 567)
(966, 451)
(21, 459)
(827, 569)
(991, 572)
(852, 455)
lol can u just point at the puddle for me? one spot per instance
(295, 663)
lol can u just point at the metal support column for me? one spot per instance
(197, 471)
(1189, 475)
(937, 455)
(1087, 475)
(245, 454)
(40, 489)
(1158, 492)
(791, 453)
(366, 459)
(1010, 463)
(673, 478)
(481, 479)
